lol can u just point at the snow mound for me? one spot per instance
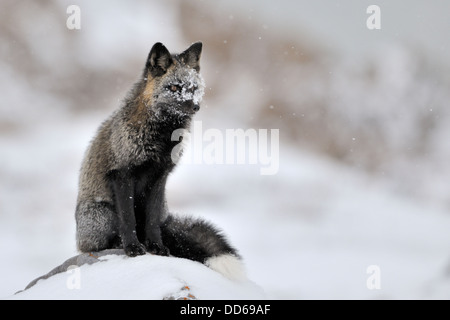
(110, 274)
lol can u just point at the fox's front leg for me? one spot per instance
(155, 212)
(123, 186)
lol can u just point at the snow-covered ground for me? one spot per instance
(315, 229)
(140, 278)
(310, 231)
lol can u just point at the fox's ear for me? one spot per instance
(159, 60)
(192, 55)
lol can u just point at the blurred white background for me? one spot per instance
(364, 134)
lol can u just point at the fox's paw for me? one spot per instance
(134, 249)
(157, 248)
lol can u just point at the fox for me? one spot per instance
(121, 199)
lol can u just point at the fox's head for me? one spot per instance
(173, 84)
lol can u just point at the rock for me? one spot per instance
(110, 274)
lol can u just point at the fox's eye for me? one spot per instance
(174, 88)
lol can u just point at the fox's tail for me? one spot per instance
(198, 240)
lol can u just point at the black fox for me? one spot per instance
(121, 201)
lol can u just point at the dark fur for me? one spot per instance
(121, 200)
(194, 239)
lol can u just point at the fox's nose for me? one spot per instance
(196, 107)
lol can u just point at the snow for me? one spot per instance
(327, 225)
(191, 83)
(145, 277)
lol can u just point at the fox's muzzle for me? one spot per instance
(190, 106)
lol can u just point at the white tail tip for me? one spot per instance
(228, 265)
